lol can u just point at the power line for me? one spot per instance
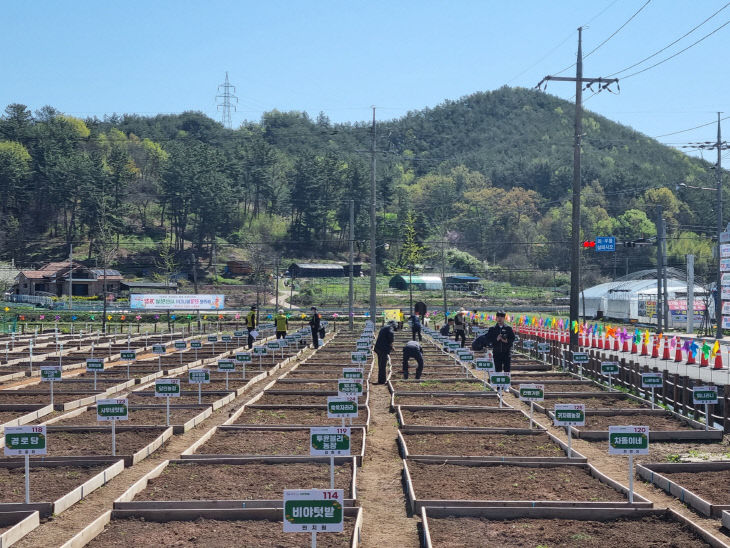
(226, 106)
(672, 43)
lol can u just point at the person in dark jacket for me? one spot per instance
(415, 327)
(412, 349)
(383, 348)
(460, 327)
(251, 325)
(314, 323)
(500, 338)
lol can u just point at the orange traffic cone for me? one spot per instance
(718, 360)
(615, 344)
(626, 346)
(678, 353)
(634, 349)
(666, 356)
(655, 349)
(644, 349)
(703, 359)
(690, 358)
(600, 342)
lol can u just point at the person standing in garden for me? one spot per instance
(282, 324)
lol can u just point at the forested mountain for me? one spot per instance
(489, 173)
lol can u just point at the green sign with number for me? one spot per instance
(243, 357)
(128, 355)
(500, 380)
(704, 394)
(25, 440)
(212, 338)
(349, 386)
(196, 344)
(580, 357)
(609, 368)
(226, 365)
(94, 364)
(50, 372)
(112, 410)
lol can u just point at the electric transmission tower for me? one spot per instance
(226, 92)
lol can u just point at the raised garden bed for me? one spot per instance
(604, 400)
(18, 415)
(663, 425)
(62, 400)
(15, 525)
(536, 446)
(471, 418)
(59, 483)
(134, 443)
(457, 482)
(246, 441)
(295, 415)
(206, 527)
(182, 417)
(705, 486)
(454, 385)
(478, 399)
(267, 398)
(237, 479)
(560, 527)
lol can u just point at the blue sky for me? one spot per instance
(90, 58)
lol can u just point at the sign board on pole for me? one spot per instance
(569, 414)
(94, 364)
(167, 388)
(272, 345)
(609, 368)
(358, 357)
(628, 440)
(329, 441)
(176, 302)
(580, 357)
(724, 250)
(226, 338)
(485, 364)
(128, 355)
(212, 338)
(349, 387)
(353, 373)
(196, 345)
(25, 440)
(532, 392)
(651, 380)
(543, 347)
(341, 408)
(198, 376)
(259, 350)
(704, 394)
(313, 510)
(112, 410)
(226, 365)
(159, 349)
(500, 381)
(467, 356)
(605, 243)
(244, 357)
(528, 344)
(50, 373)
(181, 345)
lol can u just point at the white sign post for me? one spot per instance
(199, 377)
(486, 365)
(94, 365)
(113, 411)
(500, 382)
(567, 415)
(652, 380)
(128, 356)
(226, 366)
(706, 395)
(313, 511)
(181, 346)
(329, 441)
(629, 440)
(342, 407)
(26, 441)
(259, 351)
(167, 388)
(609, 369)
(532, 393)
(51, 373)
(159, 349)
(243, 358)
(580, 358)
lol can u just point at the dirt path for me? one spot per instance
(57, 530)
(380, 485)
(617, 468)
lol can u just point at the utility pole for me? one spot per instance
(350, 299)
(579, 80)
(195, 284)
(373, 251)
(718, 287)
(690, 294)
(276, 286)
(226, 91)
(659, 267)
(443, 277)
(70, 276)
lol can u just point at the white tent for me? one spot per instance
(636, 300)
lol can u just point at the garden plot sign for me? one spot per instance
(528, 344)
(543, 347)
(500, 381)
(226, 366)
(329, 441)
(50, 373)
(159, 349)
(94, 365)
(532, 392)
(176, 302)
(349, 387)
(167, 388)
(628, 440)
(112, 410)
(651, 380)
(484, 364)
(244, 357)
(313, 510)
(25, 440)
(199, 376)
(358, 357)
(569, 414)
(259, 350)
(353, 373)
(196, 345)
(465, 355)
(609, 368)
(181, 345)
(341, 408)
(128, 355)
(704, 394)
(580, 357)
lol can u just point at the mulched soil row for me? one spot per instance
(315, 417)
(481, 445)
(98, 443)
(596, 403)
(253, 481)
(439, 417)
(427, 399)
(560, 533)
(654, 422)
(256, 442)
(144, 417)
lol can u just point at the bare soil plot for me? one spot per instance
(88, 443)
(439, 417)
(315, 417)
(436, 386)
(482, 444)
(654, 422)
(269, 442)
(46, 483)
(436, 399)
